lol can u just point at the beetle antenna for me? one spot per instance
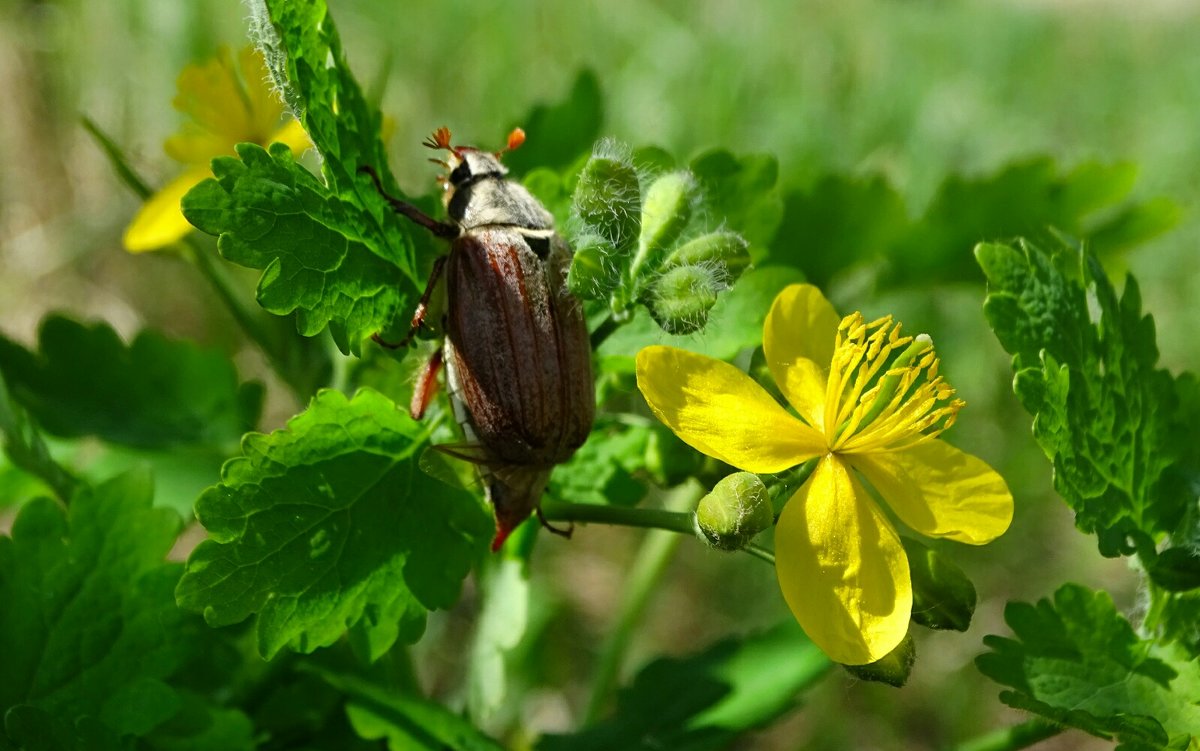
(442, 162)
(515, 139)
(439, 140)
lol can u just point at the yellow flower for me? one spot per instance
(229, 102)
(870, 405)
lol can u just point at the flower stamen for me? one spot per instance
(884, 390)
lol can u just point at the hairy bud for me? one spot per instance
(665, 215)
(592, 275)
(728, 249)
(683, 296)
(737, 509)
(608, 197)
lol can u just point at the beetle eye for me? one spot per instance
(460, 174)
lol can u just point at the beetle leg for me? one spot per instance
(441, 229)
(426, 386)
(418, 319)
(550, 527)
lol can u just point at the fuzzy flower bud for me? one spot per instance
(736, 510)
(682, 297)
(608, 197)
(592, 274)
(728, 249)
(665, 215)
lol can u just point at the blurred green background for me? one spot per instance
(911, 90)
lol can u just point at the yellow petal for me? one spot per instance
(192, 144)
(941, 491)
(798, 340)
(160, 222)
(211, 94)
(722, 412)
(293, 134)
(842, 569)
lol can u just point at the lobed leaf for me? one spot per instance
(329, 525)
(1076, 661)
(152, 393)
(1084, 363)
(89, 630)
(320, 259)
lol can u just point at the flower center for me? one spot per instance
(884, 391)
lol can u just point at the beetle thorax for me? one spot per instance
(479, 194)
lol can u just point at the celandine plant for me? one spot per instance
(735, 409)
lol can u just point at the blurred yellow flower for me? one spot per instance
(229, 102)
(870, 404)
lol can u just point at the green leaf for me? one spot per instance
(558, 134)
(502, 620)
(1175, 569)
(841, 222)
(1077, 661)
(152, 393)
(407, 723)
(707, 700)
(89, 625)
(201, 727)
(601, 471)
(1085, 361)
(318, 258)
(893, 669)
(1021, 199)
(741, 192)
(328, 525)
(23, 445)
(33, 729)
(734, 324)
(943, 596)
(837, 223)
(303, 50)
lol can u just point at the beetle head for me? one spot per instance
(466, 163)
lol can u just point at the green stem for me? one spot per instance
(671, 521)
(604, 330)
(1009, 739)
(648, 567)
(760, 553)
(117, 159)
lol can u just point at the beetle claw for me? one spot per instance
(560, 531)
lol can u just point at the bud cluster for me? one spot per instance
(643, 242)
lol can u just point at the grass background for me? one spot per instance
(913, 90)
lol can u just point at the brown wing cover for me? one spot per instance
(520, 347)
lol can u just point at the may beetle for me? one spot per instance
(517, 355)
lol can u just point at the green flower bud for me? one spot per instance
(683, 296)
(608, 197)
(892, 669)
(592, 274)
(943, 596)
(727, 249)
(736, 510)
(665, 215)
